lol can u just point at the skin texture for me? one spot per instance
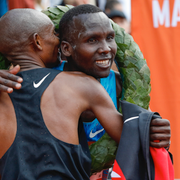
(92, 49)
(160, 128)
(60, 120)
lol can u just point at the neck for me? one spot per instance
(26, 62)
(69, 67)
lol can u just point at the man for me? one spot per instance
(113, 5)
(87, 41)
(114, 11)
(41, 136)
(160, 129)
(119, 18)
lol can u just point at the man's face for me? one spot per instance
(93, 44)
(50, 46)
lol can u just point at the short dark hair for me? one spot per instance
(65, 24)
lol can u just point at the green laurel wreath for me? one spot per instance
(136, 87)
(4, 63)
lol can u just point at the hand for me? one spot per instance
(160, 133)
(9, 81)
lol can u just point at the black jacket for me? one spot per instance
(135, 160)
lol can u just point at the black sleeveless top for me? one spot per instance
(35, 153)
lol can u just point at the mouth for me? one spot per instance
(103, 63)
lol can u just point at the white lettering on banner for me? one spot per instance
(176, 12)
(162, 16)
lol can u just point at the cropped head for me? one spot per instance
(19, 29)
(87, 40)
(113, 5)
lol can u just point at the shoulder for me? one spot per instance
(74, 76)
(76, 80)
(78, 87)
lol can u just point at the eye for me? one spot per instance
(110, 37)
(92, 40)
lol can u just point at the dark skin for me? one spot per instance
(160, 128)
(41, 52)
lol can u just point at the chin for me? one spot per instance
(102, 74)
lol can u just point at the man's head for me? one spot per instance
(87, 40)
(119, 18)
(113, 5)
(27, 32)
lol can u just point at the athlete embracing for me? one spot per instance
(91, 48)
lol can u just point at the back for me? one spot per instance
(35, 152)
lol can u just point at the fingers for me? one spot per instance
(160, 136)
(160, 139)
(160, 144)
(9, 81)
(160, 129)
(160, 133)
(15, 69)
(160, 126)
(8, 86)
(160, 122)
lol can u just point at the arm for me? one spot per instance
(9, 81)
(160, 131)
(105, 111)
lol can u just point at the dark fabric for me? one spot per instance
(133, 159)
(35, 153)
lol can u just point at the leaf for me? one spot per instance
(4, 63)
(102, 153)
(54, 10)
(64, 8)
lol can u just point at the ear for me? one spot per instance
(37, 41)
(66, 48)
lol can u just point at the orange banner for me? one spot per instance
(156, 29)
(12, 4)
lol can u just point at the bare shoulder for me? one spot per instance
(77, 83)
(76, 79)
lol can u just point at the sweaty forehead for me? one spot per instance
(88, 21)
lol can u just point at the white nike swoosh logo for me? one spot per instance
(91, 135)
(36, 85)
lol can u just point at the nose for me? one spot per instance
(104, 48)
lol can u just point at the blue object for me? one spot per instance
(3, 7)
